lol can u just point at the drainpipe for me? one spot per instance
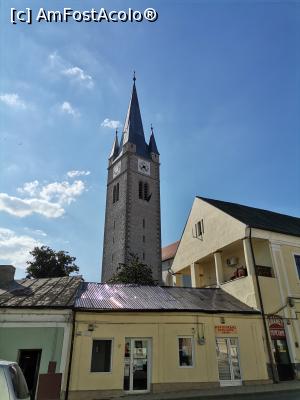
(269, 347)
(71, 355)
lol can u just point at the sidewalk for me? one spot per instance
(218, 392)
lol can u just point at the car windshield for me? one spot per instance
(18, 382)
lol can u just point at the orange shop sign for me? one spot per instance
(225, 329)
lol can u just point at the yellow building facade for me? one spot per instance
(143, 349)
(255, 256)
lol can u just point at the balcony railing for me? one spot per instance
(263, 270)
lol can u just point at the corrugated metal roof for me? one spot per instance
(46, 292)
(121, 297)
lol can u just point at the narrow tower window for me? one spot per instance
(140, 190)
(116, 193)
(146, 191)
(144, 223)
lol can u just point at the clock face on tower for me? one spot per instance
(117, 169)
(143, 167)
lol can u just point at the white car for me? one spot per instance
(12, 382)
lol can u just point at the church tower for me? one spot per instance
(132, 216)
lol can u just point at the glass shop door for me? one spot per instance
(228, 361)
(137, 365)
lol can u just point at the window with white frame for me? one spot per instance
(198, 230)
(101, 355)
(186, 351)
(297, 262)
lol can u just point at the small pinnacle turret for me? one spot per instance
(115, 148)
(152, 143)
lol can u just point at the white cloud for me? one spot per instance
(67, 108)
(47, 200)
(25, 207)
(109, 123)
(14, 249)
(38, 232)
(74, 173)
(29, 188)
(62, 192)
(77, 74)
(13, 100)
(74, 73)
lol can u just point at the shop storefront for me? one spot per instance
(280, 349)
(228, 355)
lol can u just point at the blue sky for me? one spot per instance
(219, 80)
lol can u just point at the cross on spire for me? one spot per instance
(134, 78)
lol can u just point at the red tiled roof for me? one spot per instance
(169, 251)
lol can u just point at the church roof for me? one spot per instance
(258, 218)
(128, 297)
(133, 131)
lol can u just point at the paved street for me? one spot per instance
(291, 395)
(280, 391)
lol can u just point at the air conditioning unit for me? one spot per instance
(232, 261)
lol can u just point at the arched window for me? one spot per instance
(141, 190)
(116, 193)
(146, 191)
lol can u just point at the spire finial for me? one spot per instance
(151, 127)
(116, 131)
(134, 78)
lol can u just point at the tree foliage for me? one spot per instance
(133, 271)
(48, 263)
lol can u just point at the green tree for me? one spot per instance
(48, 263)
(133, 271)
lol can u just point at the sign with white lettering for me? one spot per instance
(225, 329)
(276, 327)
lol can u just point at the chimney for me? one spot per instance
(7, 274)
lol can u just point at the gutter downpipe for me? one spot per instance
(273, 368)
(71, 355)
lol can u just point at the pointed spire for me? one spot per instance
(116, 147)
(152, 143)
(133, 131)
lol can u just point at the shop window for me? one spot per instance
(101, 355)
(297, 262)
(186, 351)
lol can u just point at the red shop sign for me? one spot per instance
(276, 328)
